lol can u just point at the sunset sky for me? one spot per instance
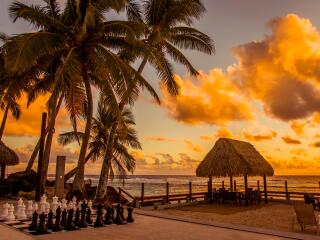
(261, 86)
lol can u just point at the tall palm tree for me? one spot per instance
(167, 27)
(85, 43)
(125, 137)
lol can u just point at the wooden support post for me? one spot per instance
(59, 183)
(235, 185)
(167, 193)
(231, 184)
(3, 172)
(286, 188)
(258, 185)
(119, 196)
(190, 190)
(39, 185)
(142, 193)
(246, 188)
(210, 188)
(265, 189)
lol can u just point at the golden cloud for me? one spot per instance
(159, 139)
(192, 146)
(212, 99)
(290, 140)
(286, 63)
(298, 127)
(222, 132)
(259, 137)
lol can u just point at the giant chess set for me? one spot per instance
(45, 217)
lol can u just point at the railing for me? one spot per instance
(195, 191)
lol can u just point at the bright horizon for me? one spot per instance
(261, 86)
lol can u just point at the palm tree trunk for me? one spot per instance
(33, 156)
(4, 120)
(72, 172)
(78, 183)
(50, 133)
(104, 176)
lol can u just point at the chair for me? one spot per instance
(305, 216)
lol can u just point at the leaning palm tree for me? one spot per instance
(85, 42)
(167, 27)
(125, 137)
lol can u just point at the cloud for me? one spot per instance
(212, 99)
(315, 144)
(298, 127)
(259, 137)
(286, 63)
(192, 146)
(299, 152)
(290, 140)
(224, 132)
(160, 139)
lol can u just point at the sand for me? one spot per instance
(276, 216)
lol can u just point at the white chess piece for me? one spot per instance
(19, 208)
(90, 204)
(47, 208)
(22, 212)
(55, 204)
(43, 203)
(4, 214)
(64, 204)
(74, 200)
(35, 207)
(70, 206)
(11, 216)
(29, 208)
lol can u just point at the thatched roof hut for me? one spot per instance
(7, 157)
(230, 157)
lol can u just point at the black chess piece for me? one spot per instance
(130, 217)
(122, 215)
(99, 220)
(83, 222)
(42, 229)
(34, 224)
(108, 218)
(77, 218)
(50, 220)
(88, 217)
(64, 218)
(57, 225)
(70, 226)
(118, 219)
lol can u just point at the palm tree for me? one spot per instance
(167, 28)
(125, 136)
(85, 43)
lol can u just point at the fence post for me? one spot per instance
(265, 189)
(167, 192)
(222, 184)
(286, 187)
(142, 193)
(231, 185)
(246, 188)
(210, 188)
(119, 197)
(258, 185)
(190, 190)
(235, 185)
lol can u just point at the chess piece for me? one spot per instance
(47, 208)
(74, 203)
(70, 205)
(88, 218)
(42, 229)
(90, 205)
(64, 204)
(55, 203)
(29, 208)
(98, 222)
(112, 214)
(35, 207)
(57, 225)
(70, 226)
(11, 216)
(130, 217)
(122, 215)
(34, 224)
(19, 209)
(64, 218)
(43, 203)
(83, 222)
(50, 220)
(108, 217)
(118, 219)
(5, 208)
(77, 218)
(22, 212)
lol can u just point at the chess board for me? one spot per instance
(23, 225)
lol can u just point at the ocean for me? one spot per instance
(156, 184)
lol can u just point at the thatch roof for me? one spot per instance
(230, 157)
(7, 156)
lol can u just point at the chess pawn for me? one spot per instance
(112, 214)
(130, 217)
(20, 202)
(50, 220)
(74, 201)
(29, 208)
(5, 209)
(64, 204)
(55, 204)
(70, 226)
(47, 208)
(77, 218)
(35, 207)
(118, 219)
(88, 217)
(11, 216)
(64, 218)
(98, 222)
(22, 212)
(90, 204)
(83, 222)
(34, 224)
(57, 225)
(108, 217)
(42, 229)
(122, 214)
(70, 206)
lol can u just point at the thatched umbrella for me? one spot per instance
(233, 158)
(7, 157)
